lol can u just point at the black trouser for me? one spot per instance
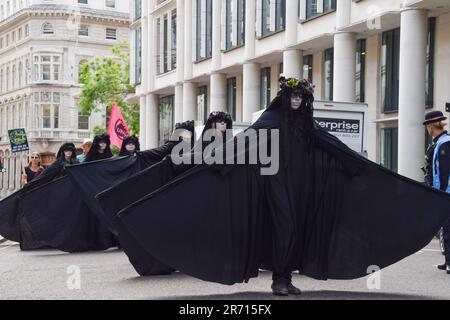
(446, 236)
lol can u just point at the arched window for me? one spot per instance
(20, 74)
(80, 66)
(27, 68)
(47, 28)
(2, 80)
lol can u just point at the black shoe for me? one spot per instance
(293, 289)
(448, 269)
(442, 267)
(280, 288)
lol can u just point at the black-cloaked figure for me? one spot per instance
(130, 146)
(65, 156)
(319, 214)
(100, 150)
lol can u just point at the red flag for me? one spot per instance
(117, 127)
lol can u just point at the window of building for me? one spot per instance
(137, 9)
(83, 1)
(265, 17)
(308, 67)
(389, 148)
(203, 29)
(280, 15)
(20, 74)
(329, 74)
(47, 109)
(27, 30)
(174, 40)
(47, 28)
(265, 87)
(138, 53)
(47, 68)
(166, 121)
(83, 122)
(231, 97)
(429, 86)
(165, 45)
(313, 9)
(83, 30)
(235, 23)
(110, 4)
(360, 70)
(111, 34)
(390, 70)
(202, 104)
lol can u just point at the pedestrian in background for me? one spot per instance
(435, 123)
(86, 146)
(33, 170)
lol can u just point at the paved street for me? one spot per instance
(108, 275)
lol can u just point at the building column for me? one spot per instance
(188, 39)
(250, 28)
(152, 119)
(251, 99)
(142, 121)
(413, 47)
(216, 34)
(218, 92)
(344, 79)
(178, 113)
(292, 7)
(189, 101)
(293, 63)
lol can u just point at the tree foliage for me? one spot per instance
(106, 80)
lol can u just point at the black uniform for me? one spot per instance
(444, 168)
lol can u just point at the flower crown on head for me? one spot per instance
(299, 85)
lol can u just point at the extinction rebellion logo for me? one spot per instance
(120, 129)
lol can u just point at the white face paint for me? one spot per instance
(186, 135)
(130, 147)
(102, 146)
(221, 126)
(68, 154)
(296, 101)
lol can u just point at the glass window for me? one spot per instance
(265, 18)
(47, 28)
(137, 9)
(389, 148)
(138, 53)
(111, 34)
(390, 70)
(202, 104)
(165, 118)
(265, 87)
(83, 31)
(308, 67)
(280, 15)
(360, 70)
(174, 40)
(231, 97)
(83, 122)
(430, 63)
(241, 22)
(329, 73)
(229, 24)
(204, 37)
(312, 8)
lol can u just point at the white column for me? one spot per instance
(250, 28)
(152, 119)
(152, 54)
(178, 103)
(293, 63)
(291, 22)
(218, 92)
(142, 121)
(189, 101)
(216, 34)
(180, 40)
(251, 99)
(344, 82)
(413, 45)
(188, 39)
(145, 47)
(343, 13)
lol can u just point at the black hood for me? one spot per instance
(94, 155)
(66, 147)
(129, 140)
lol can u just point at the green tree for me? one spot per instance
(106, 80)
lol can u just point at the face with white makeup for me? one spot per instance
(296, 100)
(102, 146)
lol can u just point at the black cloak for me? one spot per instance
(94, 154)
(140, 185)
(9, 207)
(341, 213)
(129, 140)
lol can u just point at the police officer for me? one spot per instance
(440, 165)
